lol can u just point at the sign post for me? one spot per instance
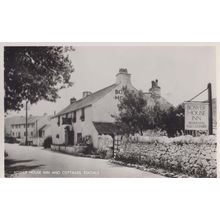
(210, 108)
(26, 124)
(198, 115)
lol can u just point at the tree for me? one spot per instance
(134, 114)
(35, 73)
(172, 120)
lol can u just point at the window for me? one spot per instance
(31, 133)
(74, 117)
(79, 138)
(25, 133)
(19, 135)
(58, 123)
(40, 133)
(83, 114)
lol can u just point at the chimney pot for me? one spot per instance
(155, 89)
(72, 100)
(86, 93)
(123, 77)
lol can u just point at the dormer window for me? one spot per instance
(83, 114)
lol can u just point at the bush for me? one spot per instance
(47, 142)
(80, 149)
(6, 154)
(102, 152)
(86, 145)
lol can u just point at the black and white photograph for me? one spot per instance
(110, 111)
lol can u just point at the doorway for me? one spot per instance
(69, 136)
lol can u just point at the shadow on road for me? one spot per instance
(15, 166)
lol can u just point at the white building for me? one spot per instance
(92, 115)
(34, 124)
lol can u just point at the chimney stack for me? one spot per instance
(86, 93)
(123, 77)
(72, 100)
(155, 89)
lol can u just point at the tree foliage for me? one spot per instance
(134, 114)
(35, 73)
(172, 120)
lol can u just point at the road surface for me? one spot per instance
(28, 161)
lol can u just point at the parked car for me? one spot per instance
(11, 140)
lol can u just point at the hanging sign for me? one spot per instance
(196, 116)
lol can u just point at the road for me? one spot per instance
(27, 161)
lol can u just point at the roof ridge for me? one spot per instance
(93, 94)
(68, 109)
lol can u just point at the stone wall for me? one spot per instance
(190, 155)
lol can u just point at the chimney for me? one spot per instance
(72, 100)
(155, 89)
(86, 93)
(123, 77)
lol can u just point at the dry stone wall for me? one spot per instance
(190, 155)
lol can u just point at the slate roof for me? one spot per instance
(89, 100)
(22, 119)
(45, 126)
(106, 128)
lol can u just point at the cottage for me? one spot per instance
(16, 127)
(92, 114)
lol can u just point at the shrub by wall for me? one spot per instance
(105, 146)
(195, 156)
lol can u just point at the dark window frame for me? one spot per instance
(82, 117)
(74, 117)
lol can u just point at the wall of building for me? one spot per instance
(105, 107)
(85, 127)
(58, 133)
(21, 129)
(46, 132)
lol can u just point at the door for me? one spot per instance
(69, 136)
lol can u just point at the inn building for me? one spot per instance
(92, 114)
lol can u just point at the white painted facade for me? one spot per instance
(99, 111)
(18, 128)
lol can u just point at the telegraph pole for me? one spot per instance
(26, 140)
(210, 108)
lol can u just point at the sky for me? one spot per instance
(182, 72)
